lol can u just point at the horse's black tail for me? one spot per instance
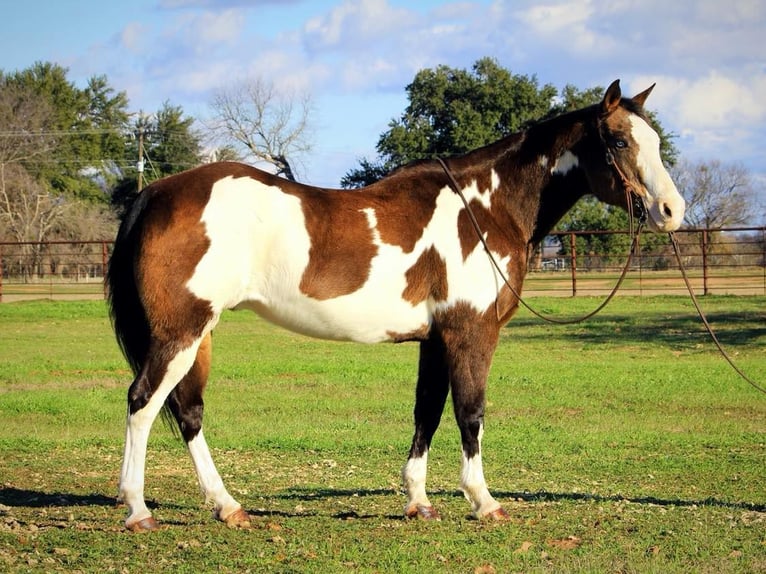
(129, 320)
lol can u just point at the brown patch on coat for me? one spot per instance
(173, 241)
(342, 248)
(419, 334)
(497, 238)
(426, 278)
(404, 204)
(342, 242)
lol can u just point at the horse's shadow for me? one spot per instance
(545, 496)
(15, 497)
(309, 494)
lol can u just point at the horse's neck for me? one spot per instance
(537, 198)
(556, 199)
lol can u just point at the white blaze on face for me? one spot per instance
(665, 205)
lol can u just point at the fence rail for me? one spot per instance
(719, 261)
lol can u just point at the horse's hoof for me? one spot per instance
(237, 519)
(422, 512)
(497, 515)
(144, 525)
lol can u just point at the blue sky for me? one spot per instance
(708, 58)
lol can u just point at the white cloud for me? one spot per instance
(568, 24)
(716, 115)
(356, 23)
(133, 37)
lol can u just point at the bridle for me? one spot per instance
(634, 204)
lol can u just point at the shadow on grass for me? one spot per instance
(310, 494)
(35, 499)
(15, 497)
(544, 496)
(683, 330)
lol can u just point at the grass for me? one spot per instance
(624, 444)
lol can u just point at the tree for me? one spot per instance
(166, 143)
(716, 194)
(368, 172)
(452, 111)
(266, 124)
(86, 125)
(28, 211)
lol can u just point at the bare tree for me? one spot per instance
(267, 124)
(25, 120)
(28, 211)
(716, 194)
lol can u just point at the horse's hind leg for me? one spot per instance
(166, 365)
(186, 404)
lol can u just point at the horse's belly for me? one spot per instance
(346, 318)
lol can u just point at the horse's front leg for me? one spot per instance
(469, 355)
(430, 396)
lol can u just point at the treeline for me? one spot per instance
(68, 155)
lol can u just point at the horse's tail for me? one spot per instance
(131, 325)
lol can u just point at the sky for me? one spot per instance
(355, 58)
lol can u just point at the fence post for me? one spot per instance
(763, 261)
(104, 263)
(704, 261)
(573, 265)
(640, 266)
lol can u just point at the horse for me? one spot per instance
(408, 258)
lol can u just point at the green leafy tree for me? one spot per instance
(86, 124)
(454, 110)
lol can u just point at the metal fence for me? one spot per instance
(53, 269)
(720, 261)
(726, 261)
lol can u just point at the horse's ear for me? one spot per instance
(611, 98)
(641, 98)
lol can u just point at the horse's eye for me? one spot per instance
(620, 144)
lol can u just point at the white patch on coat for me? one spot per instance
(259, 249)
(495, 179)
(472, 192)
(543, 161)
(665, 205)
(414, 481)
(474, 486)
(566, 162)
(210, 481)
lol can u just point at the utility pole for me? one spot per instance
(140, 164)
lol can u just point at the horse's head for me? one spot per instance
(628, 159)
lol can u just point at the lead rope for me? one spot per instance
(456, 188)
(705, 322)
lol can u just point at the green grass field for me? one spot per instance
(625, 444)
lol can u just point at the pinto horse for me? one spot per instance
(399, 260)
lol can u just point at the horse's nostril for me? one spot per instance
(667, 211)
